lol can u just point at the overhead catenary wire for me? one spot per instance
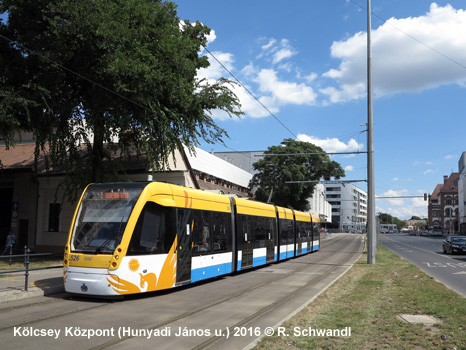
(224, 67)
(412, 37)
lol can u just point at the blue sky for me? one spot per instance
(305, 60)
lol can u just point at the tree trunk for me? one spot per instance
(98, 153)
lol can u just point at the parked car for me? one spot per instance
(454, 244)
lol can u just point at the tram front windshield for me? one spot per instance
(102, 217)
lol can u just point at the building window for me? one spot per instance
(54, 217)
(330, 189)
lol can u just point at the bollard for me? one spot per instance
(11, 253)
(26, 264)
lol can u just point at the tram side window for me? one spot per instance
(201, 232)
(301, 231)
(244, 229)
(286, 231)
(305, 231)
(211, 232)
(153, 231)
(259, 228)
(221, 230)
(309, 231)
(263, 228)
(316, 231)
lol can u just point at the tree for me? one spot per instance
(98, 82)
(399, 223)
(297, 161)
(385, 218)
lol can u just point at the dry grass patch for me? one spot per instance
(367, 299)
(34, 262)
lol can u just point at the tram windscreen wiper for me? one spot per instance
(113, 237)
(116, 235)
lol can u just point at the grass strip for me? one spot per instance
(366, 302)
(34, 262)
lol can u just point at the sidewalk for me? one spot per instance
(40, 283)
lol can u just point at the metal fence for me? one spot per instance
(27, 255)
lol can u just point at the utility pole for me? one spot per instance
(371, 227)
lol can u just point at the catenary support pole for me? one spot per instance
(371, 227)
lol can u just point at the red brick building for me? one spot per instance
(443, 205)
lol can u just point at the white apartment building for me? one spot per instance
(319, 206)
(349, 206)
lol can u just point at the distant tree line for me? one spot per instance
(385, 218)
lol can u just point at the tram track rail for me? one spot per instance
(243, 323)
(60, 307)
(263, 311)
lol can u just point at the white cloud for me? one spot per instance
(400, 63)
(272, 91)
(419, 202)
(395, 193)
(215, 70)
(405, 213)
(269, 45)
(395, 179)
(311, 77)
(277, 50)
(210, 37)
(332, 144)
(404, 208)
(349, 168)
(283, 92)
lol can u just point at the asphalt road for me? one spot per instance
(226, 313)
(427, 254)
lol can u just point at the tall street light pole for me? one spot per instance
(371, 227)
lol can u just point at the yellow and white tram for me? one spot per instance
(128, 238)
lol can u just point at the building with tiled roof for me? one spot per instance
(443, 205)
(462, 193)
(433, 208)
(31, 207)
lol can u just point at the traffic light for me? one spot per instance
(425, 196)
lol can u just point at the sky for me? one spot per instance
(306, 62)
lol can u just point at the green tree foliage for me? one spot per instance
(399, 223)
(294, 163)
(100, 81)
(385, 218)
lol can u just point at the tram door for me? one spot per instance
(271, 239)
(245, 240)
(247, 251)
(299, 242)
(309, 242)
(183, 263)
(270, 246)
